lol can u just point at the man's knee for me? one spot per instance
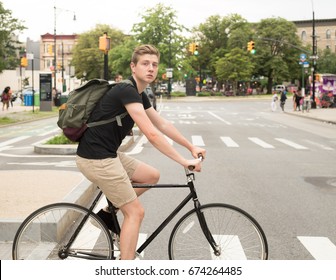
(133, 210)
(155, 176)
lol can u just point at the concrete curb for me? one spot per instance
(310, 117)
(70, 149)
(82, 194)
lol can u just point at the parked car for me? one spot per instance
(279, 88)
(163, 89)
(151, 96)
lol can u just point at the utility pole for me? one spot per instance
(105, 46)
(314, 57)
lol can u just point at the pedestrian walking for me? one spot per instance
(283, 98)
(6, 97)
(274, 100)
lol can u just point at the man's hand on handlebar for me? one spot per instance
(197, 152)
(194, 164)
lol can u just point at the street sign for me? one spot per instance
(303, 57)
(169, 72)
(30, 56)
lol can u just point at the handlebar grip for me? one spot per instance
(200, 158)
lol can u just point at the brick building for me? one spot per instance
(325, 31)
(64, 51)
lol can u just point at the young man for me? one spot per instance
(98, 157)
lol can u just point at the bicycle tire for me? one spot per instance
(44, 234)
(237, 233)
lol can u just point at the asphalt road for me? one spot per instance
(278, 167)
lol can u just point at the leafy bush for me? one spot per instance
(59, 140)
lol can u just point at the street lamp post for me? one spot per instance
(314, 57)
(55, 63)
(105, 46)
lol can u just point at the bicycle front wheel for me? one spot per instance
(62, 231)
(237, 235)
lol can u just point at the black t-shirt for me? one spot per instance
(103, 141)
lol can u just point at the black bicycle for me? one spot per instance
(207, 232)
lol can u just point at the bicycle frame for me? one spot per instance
(191, 196)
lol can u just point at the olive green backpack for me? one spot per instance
(75, 113)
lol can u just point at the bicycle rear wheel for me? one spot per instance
(237, 235)
(45, 233)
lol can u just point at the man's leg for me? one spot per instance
(133, 212)
(144, 174)
(133, 215)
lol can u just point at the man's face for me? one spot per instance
(146, 69)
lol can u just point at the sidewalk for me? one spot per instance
(24, 191)
(16, 108)
(320, 114)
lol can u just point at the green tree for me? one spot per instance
(88, 59)
(326, 62)
(235, 66)
(218, 35)
(8, 27)
(159, 28)
(277, 51)
(121, 57)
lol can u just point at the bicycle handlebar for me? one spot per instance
(192, 167)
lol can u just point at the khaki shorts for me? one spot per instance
(112, 176)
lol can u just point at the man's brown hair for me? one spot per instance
(142, 50)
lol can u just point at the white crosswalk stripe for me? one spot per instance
(323, 147)
(321, 248)
(13, 140)
(261, 143)
(228, 141)
(197, 140)
(291, 144)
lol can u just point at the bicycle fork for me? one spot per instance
(205, 228)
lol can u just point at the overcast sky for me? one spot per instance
(38, 15)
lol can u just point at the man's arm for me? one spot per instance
(168, 129)
(156, 138)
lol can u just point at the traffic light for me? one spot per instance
(192, 47)
(252, 47)
(104, 43)
(50, 49)
(249, 46)
(196, 50)
(24, 61)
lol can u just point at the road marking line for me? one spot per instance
(229, 142)
(261, 143)
(14, 140)
(197, 140)
(320, 145)
(321, 248)
(231, 248)
(291, 144)
(171, 142)
(58, 130)
(219, 118)
(139, 146)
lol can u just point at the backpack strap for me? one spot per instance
(117, 118)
